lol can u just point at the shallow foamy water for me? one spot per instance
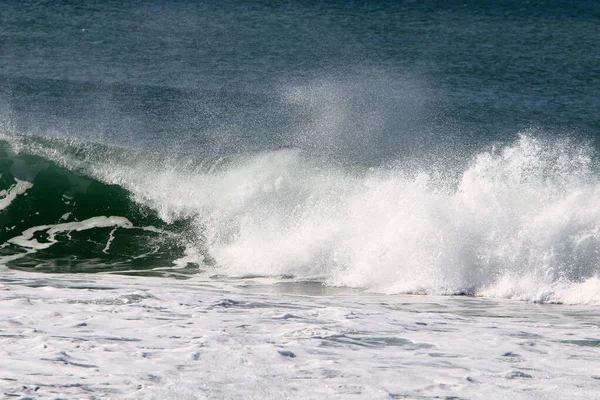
(115, 337)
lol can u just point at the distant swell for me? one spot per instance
(522, 220)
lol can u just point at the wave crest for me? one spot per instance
(522, 220)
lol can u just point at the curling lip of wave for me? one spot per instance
(523, 221)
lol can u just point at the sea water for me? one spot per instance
(299, 200)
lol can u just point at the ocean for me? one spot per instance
(310, 199)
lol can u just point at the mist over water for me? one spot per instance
(521, 220)
(395, 148)
(307, 199)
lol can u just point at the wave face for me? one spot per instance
(521, 220)
(53, 219)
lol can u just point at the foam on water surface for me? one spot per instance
(520, 220)
(27, 239)
(116, 337)
(7, 196)
(296, 170)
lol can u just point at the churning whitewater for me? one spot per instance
(299, 200)
(519, 220)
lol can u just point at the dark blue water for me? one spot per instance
(411, 74)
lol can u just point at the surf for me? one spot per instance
(519, 220)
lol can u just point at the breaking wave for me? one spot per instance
(521, 220)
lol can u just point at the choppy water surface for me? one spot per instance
(125, 337)
(224, 199)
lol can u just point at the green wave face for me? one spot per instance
(53, 219)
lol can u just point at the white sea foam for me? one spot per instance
(28, 240)
(123, 337)
(8, 196)
(520, 221)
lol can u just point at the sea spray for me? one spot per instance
(522, 219)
